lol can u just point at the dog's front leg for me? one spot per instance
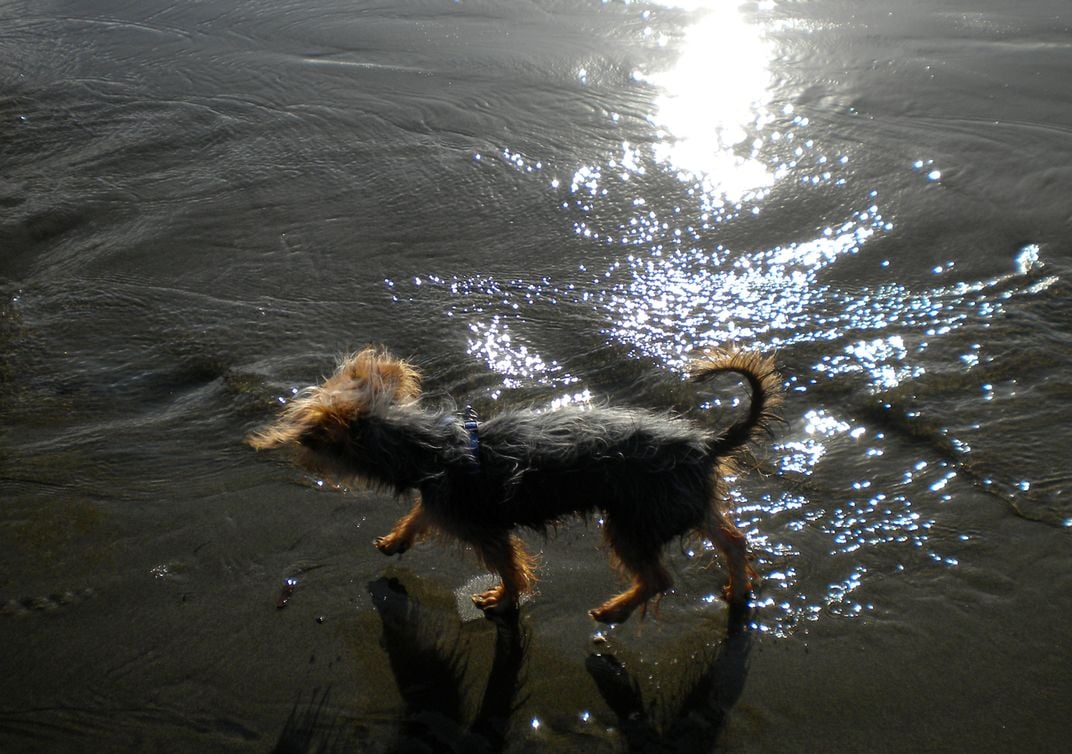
(405, 532)
(505, 555)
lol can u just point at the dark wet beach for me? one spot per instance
(544, 203)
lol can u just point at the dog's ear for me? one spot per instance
(377, 377)
(403, 378)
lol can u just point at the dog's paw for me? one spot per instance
(494, 601)
(390, 546)
(611, 612)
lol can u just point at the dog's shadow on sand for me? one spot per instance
(430, 665)
(429, 675)
(691, 718)
(430, 671)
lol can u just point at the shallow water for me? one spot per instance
(540, 203)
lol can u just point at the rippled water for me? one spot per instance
(541, 203)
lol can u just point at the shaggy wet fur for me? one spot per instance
(654, 478)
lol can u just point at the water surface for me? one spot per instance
(539, 203)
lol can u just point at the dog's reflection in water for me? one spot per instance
(691, 719)
(430, 673)
(431, 668)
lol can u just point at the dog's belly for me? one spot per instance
(673, 500)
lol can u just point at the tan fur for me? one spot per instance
(364, 382)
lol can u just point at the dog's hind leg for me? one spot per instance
(733, 546)
(650, 580)
(405, 532)
(504, 554)
(649, 577)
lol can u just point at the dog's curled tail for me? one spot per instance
(764, 382)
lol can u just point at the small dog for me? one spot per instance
(654, 478)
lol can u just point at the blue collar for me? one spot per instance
(472, 428)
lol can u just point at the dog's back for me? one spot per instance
(538, 467)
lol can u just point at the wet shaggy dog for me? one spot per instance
(654, 478)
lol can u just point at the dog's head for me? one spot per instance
(365, 383)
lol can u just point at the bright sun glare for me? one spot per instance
(714, 103)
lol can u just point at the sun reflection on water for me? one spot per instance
(714, 104)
